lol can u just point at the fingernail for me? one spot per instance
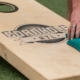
(76, 36)
(71, 38)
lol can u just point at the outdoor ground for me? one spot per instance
(7, 71)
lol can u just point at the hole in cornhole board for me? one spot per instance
(7, 7)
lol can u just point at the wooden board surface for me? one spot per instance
(34, 55)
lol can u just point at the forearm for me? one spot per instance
(76, 5)
(75, 19)
(70, 9)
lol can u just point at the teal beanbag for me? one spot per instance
(74, 42)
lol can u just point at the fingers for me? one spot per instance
(71, 30)
(77, 30)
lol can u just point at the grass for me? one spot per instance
(6, 8)
(58, 6)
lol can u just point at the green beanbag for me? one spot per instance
(74, 42)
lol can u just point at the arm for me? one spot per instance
(76, 4)
(70, 9)
(75, 19)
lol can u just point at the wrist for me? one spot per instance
(76, 8)
(76, 11)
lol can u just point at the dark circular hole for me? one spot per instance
(7, 7)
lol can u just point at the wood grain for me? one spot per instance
(38, 61)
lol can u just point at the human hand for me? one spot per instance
(75, 20)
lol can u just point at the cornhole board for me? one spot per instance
(33, 41)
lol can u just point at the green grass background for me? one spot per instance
(7, 71)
